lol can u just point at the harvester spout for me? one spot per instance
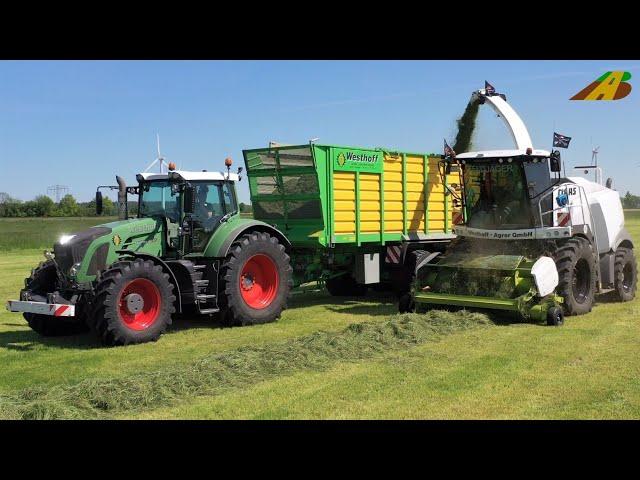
(512, 120)
(123, 213)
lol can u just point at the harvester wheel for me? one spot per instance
(42, 281)
(345, 286)
(257, 278)
(625, 274)
(133, 303)
(555, 316)
(575, 262)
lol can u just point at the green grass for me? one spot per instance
(329, 358)
(23, 233)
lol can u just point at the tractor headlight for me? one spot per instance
(73, 271)
(65, 238)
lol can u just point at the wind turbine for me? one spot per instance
(594, 156)
(160, 159)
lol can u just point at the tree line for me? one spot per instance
(44, 206)
(630, 201)
(68, 206)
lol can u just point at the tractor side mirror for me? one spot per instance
(555, 162)
(98, 203)
(189, 199)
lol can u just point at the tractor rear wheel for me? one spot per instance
(133, 303)
(345, 286)
(625, 274)
(256, 280)
(575, 261)
(42, 281)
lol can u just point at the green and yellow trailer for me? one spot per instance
(353, 215)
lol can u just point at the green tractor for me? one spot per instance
(188, 250)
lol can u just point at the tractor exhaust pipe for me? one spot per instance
(123, 210)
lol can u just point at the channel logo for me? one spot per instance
(610, 86)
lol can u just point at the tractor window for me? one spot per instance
(496, 196)
(156, 199)
(213, 200)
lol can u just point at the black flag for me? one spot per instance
(560, 141)
(488, 88)
(448, 151)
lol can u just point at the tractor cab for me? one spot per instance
(192, 205)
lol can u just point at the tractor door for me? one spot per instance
(213, 200)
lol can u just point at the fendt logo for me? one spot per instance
(610, 86)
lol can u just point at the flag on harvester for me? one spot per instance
(560, 141)
(448, 151)
(489, 89)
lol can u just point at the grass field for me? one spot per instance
(326, 358)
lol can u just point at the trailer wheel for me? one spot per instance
(555, 316)
(577, 275)
(42, 281)
(345, 286)
(257, 278)
(625, 274)
(406, 303)
(133, 303)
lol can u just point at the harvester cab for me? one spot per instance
(531, 241)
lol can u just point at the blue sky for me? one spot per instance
(80, 123)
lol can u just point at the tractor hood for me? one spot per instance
(83, 254)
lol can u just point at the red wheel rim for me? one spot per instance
(148, 314)
(259, 281)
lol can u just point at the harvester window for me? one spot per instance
(496, 196)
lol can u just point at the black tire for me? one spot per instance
(108, 308)
(625, 274)
(43, 280)
(264, 262)
(346, 286)
(575, 261)
(555, 316)
(406, 303)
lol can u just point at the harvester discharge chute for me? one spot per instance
(530, 242)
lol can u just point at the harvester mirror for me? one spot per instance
(189, 199)
(98, 203)
(555, 162)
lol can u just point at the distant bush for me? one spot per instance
(43, 206)
(630, 201)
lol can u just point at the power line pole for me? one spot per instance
(58, 190)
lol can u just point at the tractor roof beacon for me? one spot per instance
(187, 249)
(531, 241)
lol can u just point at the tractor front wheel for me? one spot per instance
(133, 303)
(257, 278)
